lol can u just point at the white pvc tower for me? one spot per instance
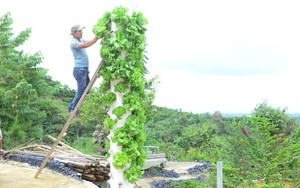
(116, 176)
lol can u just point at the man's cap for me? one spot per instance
(76, 28)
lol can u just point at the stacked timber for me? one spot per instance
(91, 168)
(94, 172)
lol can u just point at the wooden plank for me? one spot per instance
(29, 153)
(77, 165)
(65, 128)
(78, 170)
(86, 171)
(26, 147)
(75, 151)
(72, 158)
(57, 150)
(89, 177)
(99, 177)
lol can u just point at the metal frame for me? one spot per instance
(155, 149)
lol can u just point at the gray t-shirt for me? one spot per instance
(80, 56)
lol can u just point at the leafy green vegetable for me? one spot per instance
(133, 174)
(122, 52)
(119, 111)
(120, 160)
(109, 123)
(108, 99)
(121, 87)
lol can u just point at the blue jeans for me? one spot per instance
(81, 74)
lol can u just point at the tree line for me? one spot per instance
(263, 146)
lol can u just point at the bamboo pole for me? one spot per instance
(25, 147)
(64, 145)
(30, 153)
(65, 128)
(72, 149)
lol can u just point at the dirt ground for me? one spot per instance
(179, 167)
(20, 175)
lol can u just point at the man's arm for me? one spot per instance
(88, 43)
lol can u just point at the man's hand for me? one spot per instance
(88, 43)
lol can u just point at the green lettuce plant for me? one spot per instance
(123, 88)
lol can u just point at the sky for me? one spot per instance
(216, 55)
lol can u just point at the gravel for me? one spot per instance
(159, 172)
(199, 169)
(54, 165)
(196, 170)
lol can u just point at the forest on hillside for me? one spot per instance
(262, 146)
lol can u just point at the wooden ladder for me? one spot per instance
(72, 115)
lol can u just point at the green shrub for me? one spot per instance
(195, 154)
(173, 152)
(272, 185)
(86, 145)
(188, 184)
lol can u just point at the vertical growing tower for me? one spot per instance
(123, 92)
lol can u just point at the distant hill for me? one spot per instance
(235, 114)
(295, 115)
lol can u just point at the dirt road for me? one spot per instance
(21, 175)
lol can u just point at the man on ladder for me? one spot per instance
(83, 82)
(81, 66)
